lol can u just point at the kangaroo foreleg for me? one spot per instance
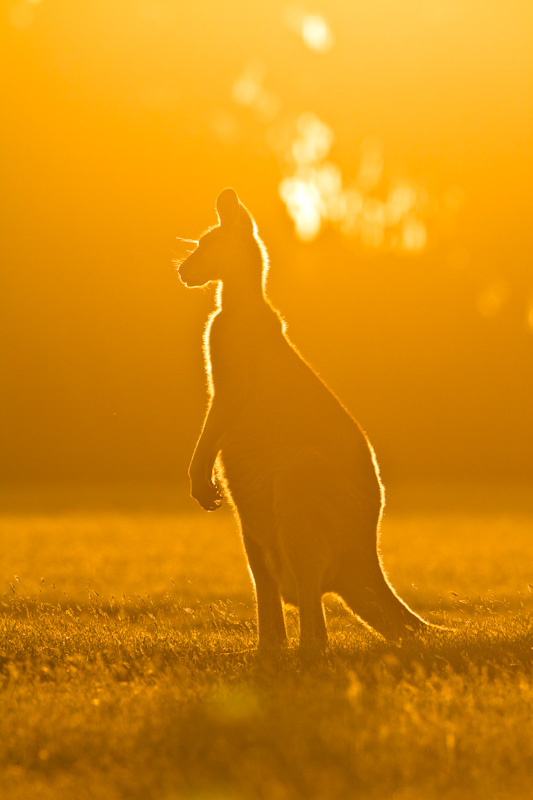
(204, 488)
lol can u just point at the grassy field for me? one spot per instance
(127, 667)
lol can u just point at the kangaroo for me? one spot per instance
(279, 445)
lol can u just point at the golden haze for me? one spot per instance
(406, 278)
(385, 150)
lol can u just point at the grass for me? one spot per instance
(127, 667)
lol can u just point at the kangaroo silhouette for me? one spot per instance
(279, 445)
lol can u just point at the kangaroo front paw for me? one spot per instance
(207, 494)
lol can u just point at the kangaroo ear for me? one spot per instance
(228, 207)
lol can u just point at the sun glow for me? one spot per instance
(311, 27)
(304, 204)
(316, 193)
(382, 207)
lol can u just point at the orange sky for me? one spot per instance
(120, 126)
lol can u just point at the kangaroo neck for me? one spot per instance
(240, 300)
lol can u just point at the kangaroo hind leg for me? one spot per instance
(300, 528)
(307, 574)
(270, 619)
(313, 633)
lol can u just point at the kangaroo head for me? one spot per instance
(228, 251)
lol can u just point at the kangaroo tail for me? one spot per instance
(374, 600)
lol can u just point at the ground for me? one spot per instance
(127, 665)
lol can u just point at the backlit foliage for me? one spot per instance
(384, 211)
(383, 214)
